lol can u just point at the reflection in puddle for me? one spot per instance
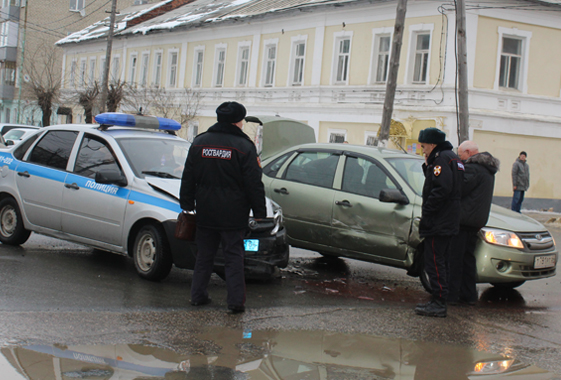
(226, 354)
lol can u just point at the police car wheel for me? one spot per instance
(12, 231)
(151, 253)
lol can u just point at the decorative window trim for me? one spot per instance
(296, 40)
(197, 50)
(242, 44)
(415, 30)
(175, 77)
(525, 37)
(217, 49)
(266, 45)
(337, 37)
(376, 34)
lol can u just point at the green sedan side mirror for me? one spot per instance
(393, 196)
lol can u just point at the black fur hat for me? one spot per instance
(432, 136)
(230, 112)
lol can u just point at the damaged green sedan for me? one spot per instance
(364, 203)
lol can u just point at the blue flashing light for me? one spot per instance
(127, 120)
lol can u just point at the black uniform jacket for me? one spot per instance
(222, 175)
(477, 190)
(444, 173)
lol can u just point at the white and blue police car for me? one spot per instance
(115, 186)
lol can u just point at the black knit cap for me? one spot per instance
(432, 136)
(230, 112)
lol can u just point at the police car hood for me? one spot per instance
(172, 186)
(506, 219)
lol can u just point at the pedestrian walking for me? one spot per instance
(520, 180)
(440, 215)
(477, 196)
(222, 181)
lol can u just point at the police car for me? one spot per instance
(115, 186)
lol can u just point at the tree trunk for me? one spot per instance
(46, 116)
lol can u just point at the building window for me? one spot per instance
(172, 69)
(422, 45)
(72, 79)
(511, 59)
(132, 77)
(219, 67)
(371, 139)
(101, 69)
(270, 63)
(337, 135)
(4, 34)
(157, 69)
(381, 59)
(8, 73)
(198, 65)
(144, 69)
(115, 69)
(77, 5)
(83, 73)
(341, 57)
(299, 51)
(243, 65)
(91, 76)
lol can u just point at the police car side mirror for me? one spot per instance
(393, 196)
(111, 177)
(9, 142)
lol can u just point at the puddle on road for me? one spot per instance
(227, 354)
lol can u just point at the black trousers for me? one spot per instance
(233, 248)
(436, 264)
(462, 267)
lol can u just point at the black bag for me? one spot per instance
(186, 226)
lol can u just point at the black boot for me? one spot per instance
(434, 308)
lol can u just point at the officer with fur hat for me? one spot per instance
(222, 178)
(440, 217)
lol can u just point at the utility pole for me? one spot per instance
(20, 73)
(392, 74)
(105, 82)
(461, 61)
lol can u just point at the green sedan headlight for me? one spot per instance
(501, 237)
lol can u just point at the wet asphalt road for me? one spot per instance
(54, 292)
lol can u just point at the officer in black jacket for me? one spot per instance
(222, 178)
(477, 195)
(440, 217)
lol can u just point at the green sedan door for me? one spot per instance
(305, 193)
(367, 228)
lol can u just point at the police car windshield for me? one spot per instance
(411, 170)
(158, 157)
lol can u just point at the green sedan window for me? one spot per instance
(411, 170)
(364, 177)
(313, 168)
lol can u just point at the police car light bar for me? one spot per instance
(127, 120)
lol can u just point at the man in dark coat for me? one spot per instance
(440, 217)
(520, 181)
(477, 195)
(222, 178)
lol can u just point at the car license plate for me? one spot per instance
(544, 261)
(251, 245)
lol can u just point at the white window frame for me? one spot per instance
(173, 68)
(525, 37)
(91, 74)
(132, 68)
(77, 5)
(72, 76)
(101, 69)
(82, 72)
(4, 31)
(115, 73)
(336, 132)
(337, 39)
(243, 46)
(369, 134)
(414, 31)
(294, 43)
(268, 44)
(377, 34)
(198, 67)
(144, 67)
(157, 79)
(219, 66)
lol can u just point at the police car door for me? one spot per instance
(40, 178)
(91, 210)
